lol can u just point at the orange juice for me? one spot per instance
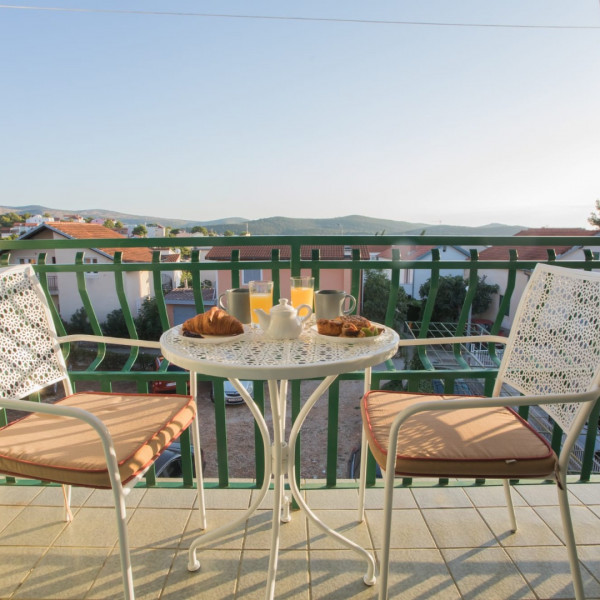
(302, 295)
(264, 301)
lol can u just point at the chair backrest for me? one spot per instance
(554, 343)
(30, 355)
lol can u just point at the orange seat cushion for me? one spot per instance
(473, 442)
(67, 450)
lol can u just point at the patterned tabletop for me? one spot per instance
(252, 355)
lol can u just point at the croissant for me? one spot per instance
(213, 322)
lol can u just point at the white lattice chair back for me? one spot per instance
(30, 356)
(554, 344)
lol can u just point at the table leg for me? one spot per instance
(209, 536)
(369, 578)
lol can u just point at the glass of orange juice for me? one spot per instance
(302, 291)
(261, 296)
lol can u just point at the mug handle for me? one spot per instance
(352, 304)
(221, 305)
(309, 312)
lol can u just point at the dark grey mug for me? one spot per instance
(329, 304)
(237, 303)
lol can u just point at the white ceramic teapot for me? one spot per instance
(283, 321)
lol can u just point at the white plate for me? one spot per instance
(347, 340)
(213, 339)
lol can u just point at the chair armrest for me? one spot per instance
(467, 339)
(100, 339)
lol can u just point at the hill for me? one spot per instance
(351, 224)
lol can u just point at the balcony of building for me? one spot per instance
(451, 538)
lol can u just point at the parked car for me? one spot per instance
(232, 396)
(165, 387)
(169, 387)
(168, 464)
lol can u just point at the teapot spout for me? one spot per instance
(264, 318)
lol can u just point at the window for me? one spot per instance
(27, 261)
(406, 276)
(91, 261)
(251, 275)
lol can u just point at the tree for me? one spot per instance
(594, 219)
(200, 229)
(377, 288)
(228, 233)
(174, 232)
(115, 325)
(451, 296)
(118, 225)
(140, 230)
(147, 323)
(109, 223)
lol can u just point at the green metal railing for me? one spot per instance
(97, 372)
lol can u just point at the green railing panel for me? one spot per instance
(89, 311)
(126, 312)
(332, 432)
(295, 264)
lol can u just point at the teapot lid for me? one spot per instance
(284, 307)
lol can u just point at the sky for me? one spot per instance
(328, 108)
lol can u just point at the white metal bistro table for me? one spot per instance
(252, 356)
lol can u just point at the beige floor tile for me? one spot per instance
(259, 528)
(458, 528)
(491, 495)
(7, 514)
(150, 569)
(441, 497)
(586, 523)
(337, 499)
(590, 557)
(95, 527)
(338, 575)
(546, 569)
(63, 574)
(106, 498)
(18, 495)
(419, 574)
(228, 499)
(586, 493)
(157, 528)
(408, 530)
(486, 573)
(233, 540)
(531, 529)
(402, 498)
(168, 498)
(53, 496)
(345, 523)
(34, 526)
(267, 501)
(540, 494)
(215, 580)
(16, 565)
(291, 581)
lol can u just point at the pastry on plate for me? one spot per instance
(213, 322)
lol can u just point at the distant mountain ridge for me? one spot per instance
(350, 224)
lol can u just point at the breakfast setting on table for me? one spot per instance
(249, 310)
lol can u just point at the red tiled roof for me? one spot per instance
(537, 252)
(170, 258)
(264, 252)
(87, 231)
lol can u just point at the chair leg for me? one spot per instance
(570, 540)
(198, 453)
(126, 570)
(66, 490)
(364, 445)
(199, 476)
(363, 457)
(509, 505)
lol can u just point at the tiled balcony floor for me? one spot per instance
(448, 543)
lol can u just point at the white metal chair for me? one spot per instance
(552, 358)
(88, 439)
